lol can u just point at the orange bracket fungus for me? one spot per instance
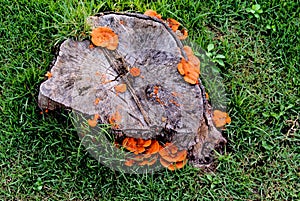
(220, 118)
(121, 88)
(134, 71)
(93, 122)
(171, 157)
(141, 85)
(152, 13)
(48, 75)
(173, 24)
(104, 37)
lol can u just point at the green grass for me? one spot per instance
(41, 157)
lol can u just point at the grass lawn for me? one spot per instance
(41, 157)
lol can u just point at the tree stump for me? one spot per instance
(156, 103)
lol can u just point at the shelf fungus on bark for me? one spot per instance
(171, 157)
(104, 37)
(141, 80)
(220, 118)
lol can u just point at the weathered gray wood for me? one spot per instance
(80, 73)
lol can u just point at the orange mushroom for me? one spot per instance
(171, 153)
(121, 88)
(147, 161)
(93, 122)
(153, 160)
(96, 101)
(220, 118)
(141, 160)
(91, 46)
(190, 68)
(48, 75)
(134, 71)
(188, 50)
(173, 166)
(115, 120)
(152, 13)
(153, 147)
(105, 37)
(171, 157)
(173, 24)
(129, 162)
(183, 34)
(206, 96)
(134, 145)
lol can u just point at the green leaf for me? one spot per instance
(260, 11)
(248, 10)
(256, 15)
(209, 177)
(266, 114)
(210, 47)
(266, 146)
(220, 62)
(208, 54)
(220, 56)
(256, 7)
(252, 11)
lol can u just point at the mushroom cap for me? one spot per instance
(48, 75)
(134, 71)
(173, 24)
(115, 119)
(129, 162)
(206, 95)
(194, 61)
(188, 50)
(104, 37)
(171, 153)
(190, 72)
(220, 118)
(141, 160)
(93, 122)
(152, 13)
(153, 148)
(172, 166)
(147, 161)
(136, 146)
(183, 34)
(191, 68)
(180, 68)
(121, 88)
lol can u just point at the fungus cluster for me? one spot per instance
(171, 157)
(153, 13)
(147, 152)
(115, 119)
(190, 68)
(172, 23)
